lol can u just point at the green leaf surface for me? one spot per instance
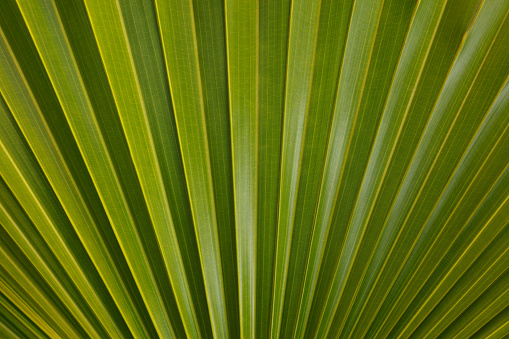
(254, 169)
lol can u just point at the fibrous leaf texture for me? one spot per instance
(254, 169)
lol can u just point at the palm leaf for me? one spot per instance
(254, 169)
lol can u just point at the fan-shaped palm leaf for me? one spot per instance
(254, 169)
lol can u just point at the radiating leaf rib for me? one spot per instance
(483, 229)
(52, 234)
(25, 294)
(82, 41)
(9, 327)
(477, 273)
(303, 28)
(59, 132)
(274, 19)
(352, 81)
(133, 110)
(210, 26)
(329, 48)
(389, 39)
(33, 192)
(235, 169)
(481, 168)
(84, 125)
(141, 26)
(16, 323)
(424, 24)
(120, 292)
(487, 306)
(76, 209)
(16, 224)
(497, 327)
(7, 331)
(422, 68)
(32, 287)
(242, 32)
(487, 232)
(489, 268)
(134, 107)
(187, 94)
(22, 305)
(462, 117)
